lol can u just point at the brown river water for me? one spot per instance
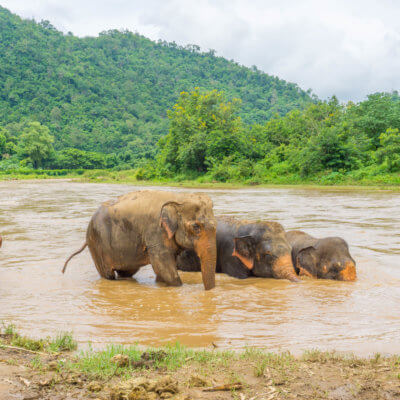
(42, 223)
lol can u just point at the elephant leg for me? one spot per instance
(164, 266)
(102, 262)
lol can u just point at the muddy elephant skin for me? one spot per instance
(326, 258)
(248, 248)
(152, 227)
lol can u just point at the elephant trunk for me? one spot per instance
(283, 268)
(349, 272)
(206, 249)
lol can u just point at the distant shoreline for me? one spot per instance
(127, 177)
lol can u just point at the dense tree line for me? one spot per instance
(110, 94)
(207, 136)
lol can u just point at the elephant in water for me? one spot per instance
(327, 258)
(248, 248)
(152, 227)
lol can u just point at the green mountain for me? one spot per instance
(110, 93)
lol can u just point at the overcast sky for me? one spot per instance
(348, 48)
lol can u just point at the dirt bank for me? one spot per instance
(128, 373)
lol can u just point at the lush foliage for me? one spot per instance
(203, 129)
(325, 139)
(110, 94)
(389, 152)
(35, 144)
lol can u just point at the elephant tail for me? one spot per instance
(73, 255)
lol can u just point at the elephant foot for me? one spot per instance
(174, 282)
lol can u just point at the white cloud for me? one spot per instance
(337, 47)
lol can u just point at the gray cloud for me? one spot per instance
(337, 47)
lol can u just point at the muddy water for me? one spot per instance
(42, 223)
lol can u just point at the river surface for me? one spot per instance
(42, 223)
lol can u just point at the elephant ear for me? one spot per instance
(306, 262)
(244, 250)
(169, 218)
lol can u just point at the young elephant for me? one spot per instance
(152, 227)
(246, 248)
(326, 258)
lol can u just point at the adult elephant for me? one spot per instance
(248, 248)
(326, 258)
(152, 227)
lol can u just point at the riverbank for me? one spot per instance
(51, 369)
(342, 181)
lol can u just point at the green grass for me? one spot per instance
(318, 356)
(283, 359)
(322, 357)
(62, 342)
(173, 357)
(99, 364)
(260, 367)
(351, 180)
(27, 343)
(37, 363)
(8, 329)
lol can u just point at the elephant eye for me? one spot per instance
(266, 254)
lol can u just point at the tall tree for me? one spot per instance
(35, 144)
(390, 149)
(203, 127)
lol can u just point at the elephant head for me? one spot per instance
(327, 258)
(266, 251)
(191, 225)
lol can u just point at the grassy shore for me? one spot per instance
(342, 181)
(50, 369)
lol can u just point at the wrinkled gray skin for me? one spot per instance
(152, 227)
(326, 258)
(248, 248)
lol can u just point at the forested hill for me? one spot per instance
(110, 93)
